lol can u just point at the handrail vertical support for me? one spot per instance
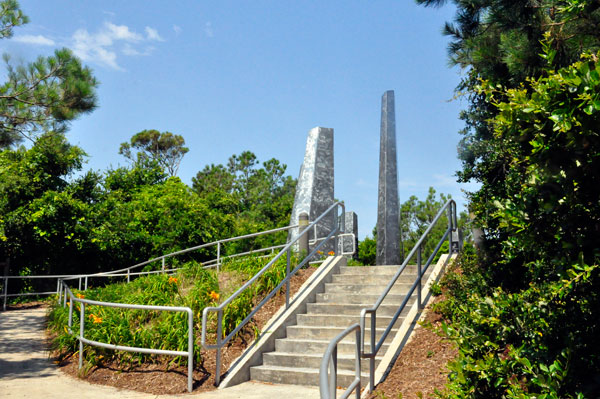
(5, 292)
(219, 337)
(419, 276)
(190, 350)
(372, 352)
(79, 283)
(333, 370)
(287, 283)
(218, 256)
(128, 271)
(81, 332)
(86, 283)
(163, 265)
(450, 230)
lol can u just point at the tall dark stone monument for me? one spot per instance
(388, 222)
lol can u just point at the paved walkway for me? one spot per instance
(26, 371)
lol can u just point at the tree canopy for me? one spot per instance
(165, 148)
(43, 95)
(524, 311)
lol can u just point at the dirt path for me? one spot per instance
(27, 372)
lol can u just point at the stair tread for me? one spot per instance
(317, 355)
(305, 369)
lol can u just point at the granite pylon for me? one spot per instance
(315, 190)
(388, 211)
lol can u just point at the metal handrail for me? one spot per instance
(328, 380)
(286, 250)
(81, 337)
(450, 207)
(119, 272)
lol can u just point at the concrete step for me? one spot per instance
(310, 360)
(318, 346)
(372, 279)
(352, 309)
(300, 375)
(340, 320)
(327, 333)
(387, 270)
(399, 288)
(344, 297)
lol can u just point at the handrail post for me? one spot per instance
(5, 292)
(163, 265)
(450, 229)
(218, 255)
(219, 334)
(190, 350)
(419, 272)
(287, 283)
(81, 332)
(372, 352)
(333, 375)
(357, 364)
(303, 241)
(79, 283)
(59, 292)
(86, 283)
(128, 271)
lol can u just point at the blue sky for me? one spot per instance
(235, 76)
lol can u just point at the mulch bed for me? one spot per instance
(420, 368)
(160, 378)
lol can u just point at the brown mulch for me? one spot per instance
(420, 368)
(160, 378)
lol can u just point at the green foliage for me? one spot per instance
(193, 287)
(525, 312)
(367, 251)
(260, 197)
(415, 218)
(166, 149)
(10, 16)
(538, 341)
(44, 95)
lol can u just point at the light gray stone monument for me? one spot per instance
(388, 222)
(314, 190)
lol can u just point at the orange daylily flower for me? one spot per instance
(95, 319)
(172, 280)
(80, 296)
(214, 295)
(331, 253)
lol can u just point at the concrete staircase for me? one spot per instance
(297, 358)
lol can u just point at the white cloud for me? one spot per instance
(208, 30)
(441, 180)
(100, 46)
(177, 29)
(34, 39)
(129, 50)
(152, 34)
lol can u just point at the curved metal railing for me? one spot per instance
(82, 340)
(328, 370)
(332, 210)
